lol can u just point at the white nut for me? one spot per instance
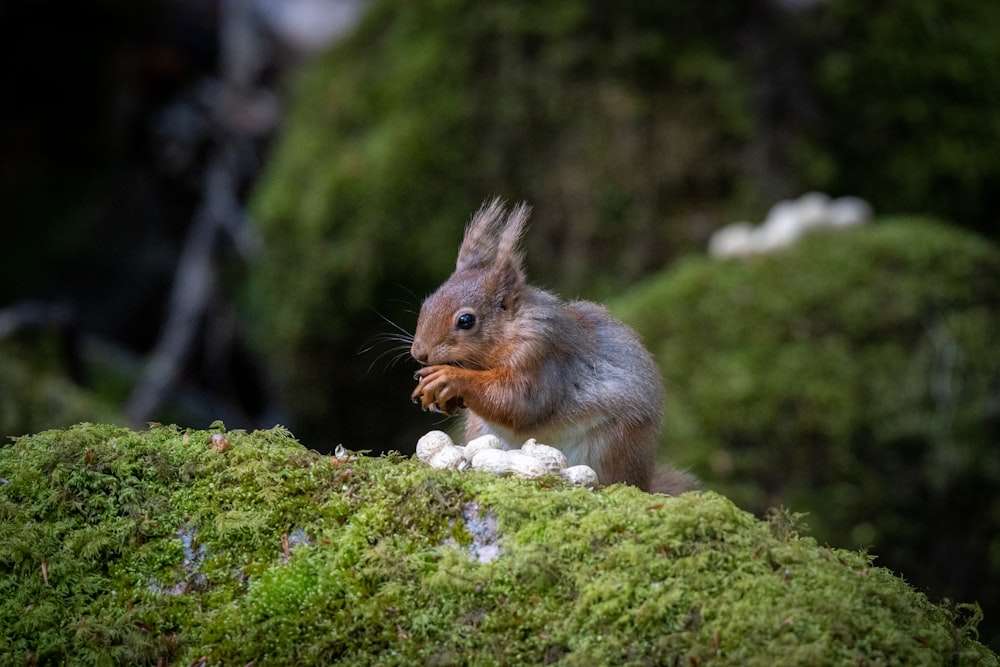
(448, 457)
(512, 462)
(580, 475)
(492, 460)
(553, 459)
(431, 443)
(525, 465)
(509, 462)
(476, 445)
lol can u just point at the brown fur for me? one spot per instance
(531, 365)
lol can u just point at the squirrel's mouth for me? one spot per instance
(433, 362)
(471, 365)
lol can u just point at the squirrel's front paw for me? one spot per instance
(436, 390)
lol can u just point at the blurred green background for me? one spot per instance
(207, 215)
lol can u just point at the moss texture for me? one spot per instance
(204, 547)
(853, 376)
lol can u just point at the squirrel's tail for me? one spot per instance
(672, 481)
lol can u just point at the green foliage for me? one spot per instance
(853, 376)
(916, 87)
(114, 550)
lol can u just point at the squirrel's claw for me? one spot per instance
(434, 391)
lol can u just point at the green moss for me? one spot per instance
(141, 548)
(854, 377)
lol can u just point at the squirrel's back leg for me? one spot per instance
(640, 468)
(625, 453)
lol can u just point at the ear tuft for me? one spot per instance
(493, 236)
(509, 253)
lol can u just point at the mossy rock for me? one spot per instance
(205, 547)
(853, 376)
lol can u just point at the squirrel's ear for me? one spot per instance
(508, 245)
(509, 263)
(492, 237)
(510, 286)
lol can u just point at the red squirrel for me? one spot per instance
(526, 364)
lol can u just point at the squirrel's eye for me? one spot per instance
(465, 321)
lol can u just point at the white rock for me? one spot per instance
(733, 240)
(781, 228)
(431, 443)
(813, 210)
(553, 459)
(786, 222)
(580, 475)
(848, 212)
(476, 445)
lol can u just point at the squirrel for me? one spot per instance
(524, 363)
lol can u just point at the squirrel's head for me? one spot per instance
(471, 317)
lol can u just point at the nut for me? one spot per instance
(492, 460)
(525, 465)
(431, 443)
(553, 459)
(580, 475)
(488, 453)
(448, 457)
(476, 445)
(512, 462)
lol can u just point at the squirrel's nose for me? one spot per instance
(418, 352)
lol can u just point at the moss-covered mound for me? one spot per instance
(855, 377)
(194, 547)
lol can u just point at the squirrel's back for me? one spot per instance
(596, 389)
